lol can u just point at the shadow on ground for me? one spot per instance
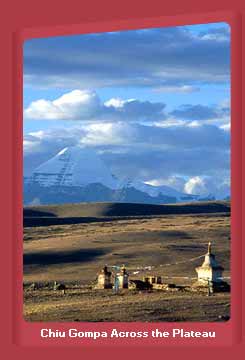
(62, 257)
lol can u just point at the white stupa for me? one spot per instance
(123, 278)
(210, 271)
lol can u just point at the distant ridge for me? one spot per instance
(87, 212)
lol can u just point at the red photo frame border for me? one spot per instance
(23, 22)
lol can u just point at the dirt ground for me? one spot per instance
(80, 304)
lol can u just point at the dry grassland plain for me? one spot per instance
(73, 252)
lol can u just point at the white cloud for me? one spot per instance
(135, 135)
(218, 184)
(85, 105)
(205, 185)
(195, 185)
(75, 105)
(115, 102)
(104, 134)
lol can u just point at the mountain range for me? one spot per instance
(77, 175)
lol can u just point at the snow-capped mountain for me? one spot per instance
(76, 174)
(73, 166)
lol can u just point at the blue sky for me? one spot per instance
(116, 92)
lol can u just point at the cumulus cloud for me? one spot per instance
(195, 185)
(205, 185)
(217, 184)
(185, 137)
(130, 58)
(133, 135)
(86, 105)
(75, 105)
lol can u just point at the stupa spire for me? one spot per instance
(209, 248)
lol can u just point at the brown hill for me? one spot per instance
(89, 212)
